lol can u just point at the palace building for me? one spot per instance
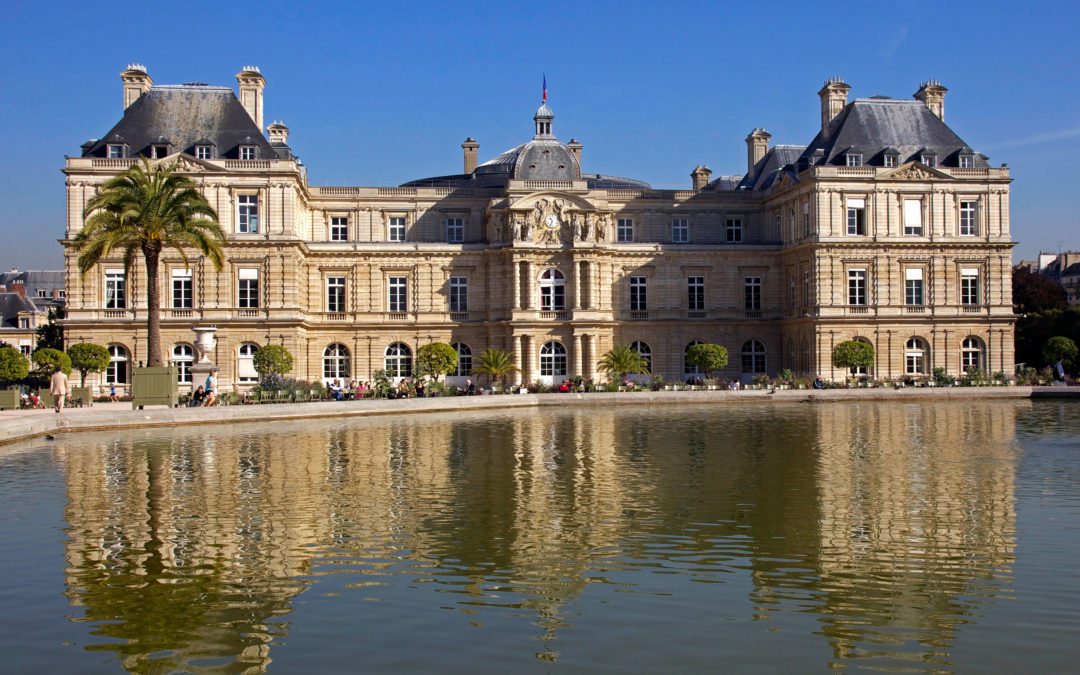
(886, 227)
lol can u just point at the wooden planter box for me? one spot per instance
(82, 394)
(10, 399)
(154, 386)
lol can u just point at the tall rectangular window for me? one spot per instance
(624, 230)
(791, 290)
(968, 225)
(248, 214)
(913, 225)
(806, 219)
(455, 230)
(856, 217)
(116, 151)
(638, 294)
(339, 229)
(928, 160)
(247, 152)
(115, 289)
(806, 287)
(913, 286)
(752, 292)
(734, 230)
(967, 161)
(247, 296)
(854, 159)
(695, 293)
(856, 287)
(397, 230)
(459, 294)
(889, 161)
(397, 298)
(24, 322)
(680, 231)
(182, 289)
(335, 294)
(203, 152)
(969, 286)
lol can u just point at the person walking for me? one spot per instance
(210, 387)
(58, 387)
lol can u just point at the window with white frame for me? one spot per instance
(396, 231)
(624, 230)
(183, 357)
(854, 159)
(204, 152)
(638, 294)
(182, 289)
(969, 285)
(398, 360)
(552, 290)
(335, 294)
(856, 217)
(967, 161)
(969, 226)
(753, 357)
(247, 152)
(339, 228)
(695, 293)
(117, 370)
(915, 356)
(971, 354)
(913, 225)
(61, 293)
(115, 151)
(680, 231)
(159, 151)
(464, 359)
(913, 286)
(455, 230)
(459, 294)
(247, 296)
(552, 359)
(115, 289)
(889, 161)
(643, 349)
(734, 230)
(856, 287)
(245, 363)
(336, 362)
(247, 221)
(928, 159)
(24, 322)
(42, 293)
(26, 348)
(397, 296)
(752, 293)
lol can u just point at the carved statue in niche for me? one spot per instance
(603, 223)
(496, 226)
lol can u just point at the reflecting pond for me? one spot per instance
(898, 537)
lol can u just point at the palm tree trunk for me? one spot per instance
(151, 251)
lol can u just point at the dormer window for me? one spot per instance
(854, 159)
(967, 161)
(928, 159)
(159, 151)
(115, 151)
(204, 152)
(247, 151)
(889, 161)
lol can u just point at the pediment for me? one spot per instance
(185, 163)
(914, 171)
(569, 201)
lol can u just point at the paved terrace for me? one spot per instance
(17, 425)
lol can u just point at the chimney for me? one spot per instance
(933, 95)
(470, 146)
(277, 132)
(575, 148)
(20, 288)
(700, 176)
(757, 144)
(136, 83)
(833, 99)
(251, 84)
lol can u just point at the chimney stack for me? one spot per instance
(757, 144)
(933, 95)
(700, 176)
(136, 83)
(20, 288)
(833, 99)
(277, 132)
(470, 146)
(252, 84)
(575, 148)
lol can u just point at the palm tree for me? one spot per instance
(622, 360)
(148, 209)
(495, 363)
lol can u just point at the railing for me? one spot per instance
(549, 184)
(112, 163)
(695, 314)
(914, 309)
(258, 164)
(334, 316)
(248, 313)
(553, 315)
(459, 316)
(181, 313)
(397, 316)
(855, 171)
(397, 192)
(346, 191)
(639, 315)
(116, 314)
(971, 309)
(752, 314)
(457, 192)
(970, 173)
(857, 309)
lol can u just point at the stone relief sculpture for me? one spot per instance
(603, 223)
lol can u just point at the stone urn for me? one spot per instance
(205, 342)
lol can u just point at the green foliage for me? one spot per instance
(49, 360)
(435, 359)
(145, 210)
(496, 363)
(1033, 292)
(13, 365)
(1060, 347)
(942, 378)
(382, 384)
(1034, 329)
(272, 360)
(853, 354)
(788, 376)
(51, 334)
(707, 358)
(87, 357)
(622, 360)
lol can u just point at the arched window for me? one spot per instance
(687, 368)
(245, 363)
(646, 353)
(464, 359)
(915, 356)
(862, 370)
(971, 354)
(183, 356)
(398, 360)
(335, 362)
(753, 357)
(552, 359)
(552, 290)
(117, 371)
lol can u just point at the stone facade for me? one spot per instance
(527, 253)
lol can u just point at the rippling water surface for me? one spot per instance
(908, 537)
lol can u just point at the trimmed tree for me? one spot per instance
(272, 360)
(707, 358)
(13, 366)
(496, 363)
(49, 360)
(51, 334)
(622, 360)
(852, 354)
(1060, 347)
(435, 359)
(87, 357)
(146, 210)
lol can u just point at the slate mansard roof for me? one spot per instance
(185, 116)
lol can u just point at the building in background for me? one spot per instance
(886, 227)
(26, 298)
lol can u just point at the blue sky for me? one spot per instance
(381, 93)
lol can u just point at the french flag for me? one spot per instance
(545, 87)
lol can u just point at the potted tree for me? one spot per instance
(435, 359)
(708, 358)
(86, 357)
(13, 367)
(497, 364)
(852, 354)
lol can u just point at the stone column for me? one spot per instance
(587, 357)
(575, 269)
(516, 378)
(577, 356)
(515, 270)
(530, 288)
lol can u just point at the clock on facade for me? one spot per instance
(552, 221)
